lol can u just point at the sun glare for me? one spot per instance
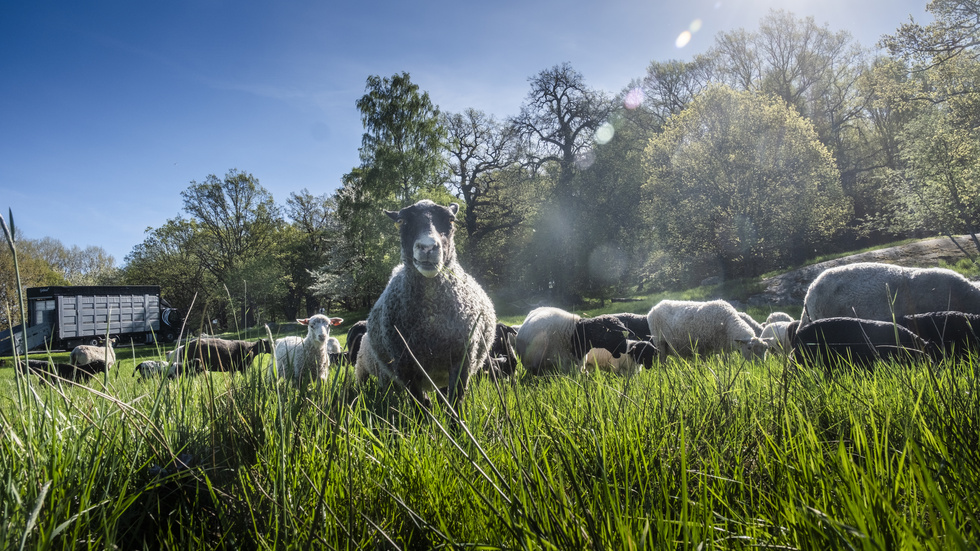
(686, 35)
(683, 39)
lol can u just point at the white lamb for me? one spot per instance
(298, 359)
(688, 327)
(777, 316)
(779, 335)
(640, 354)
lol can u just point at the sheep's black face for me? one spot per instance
(600, 332)
(643, 353)
(427, 235)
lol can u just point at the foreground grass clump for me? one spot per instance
(715, 453)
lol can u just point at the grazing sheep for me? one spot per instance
(334, 350)
(552, 340)
(686, 328)
(152, 368)
(636, 323)
(639, 354)
(85, 354)
(354, 336)
(956, 333)
(158, 368)
(756, 326)
(297, 358)
(859, 342)
(55, 371)
(778, 335)
(778, 316)
(503, 358)
(433, 325)
(213, 354)
(883, 292)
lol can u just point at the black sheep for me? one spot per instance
(956, 333)
(221, 354)
(53, 370)
(830, 341)
(354, 336)
(503, 359)
(637, 324)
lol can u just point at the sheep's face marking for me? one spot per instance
(426, 231)
(600, 332)
(319, 326)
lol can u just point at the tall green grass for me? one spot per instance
(709, 452)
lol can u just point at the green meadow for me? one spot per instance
(710, 453)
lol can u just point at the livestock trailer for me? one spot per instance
(64, 317)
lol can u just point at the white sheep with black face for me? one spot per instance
(432, 313)
(299, 359)
(552, 340)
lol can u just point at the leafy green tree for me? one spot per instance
(401, 149)
(35, 271)
(401, 162)
(167, 258)
(740, 181)
(357, 269)
(557, 126)
(955, 30)
(818, 71)
(936, 188)
(237, 223)
(306, 243)
(89, 266)
(479, 152)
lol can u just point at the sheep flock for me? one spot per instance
(434, 328)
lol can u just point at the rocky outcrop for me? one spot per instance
(790, 288)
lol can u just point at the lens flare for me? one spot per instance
(633, 98)
(604, 133)
(695, 26)
(683, 39)
(584, 160)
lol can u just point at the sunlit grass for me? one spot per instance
(706, 452)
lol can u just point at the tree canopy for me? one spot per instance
(740, 179)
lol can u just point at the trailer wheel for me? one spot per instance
(93, 342)
(169, 337)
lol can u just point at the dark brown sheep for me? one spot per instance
(214, 354)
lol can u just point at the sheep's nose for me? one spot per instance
(426, 246)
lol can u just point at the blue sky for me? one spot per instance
(109, 109)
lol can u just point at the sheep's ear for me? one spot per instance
(336, 321)
(394, 215)
(741, 341)
(454, 208)
(304, 321)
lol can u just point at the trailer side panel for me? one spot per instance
(82, 316)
